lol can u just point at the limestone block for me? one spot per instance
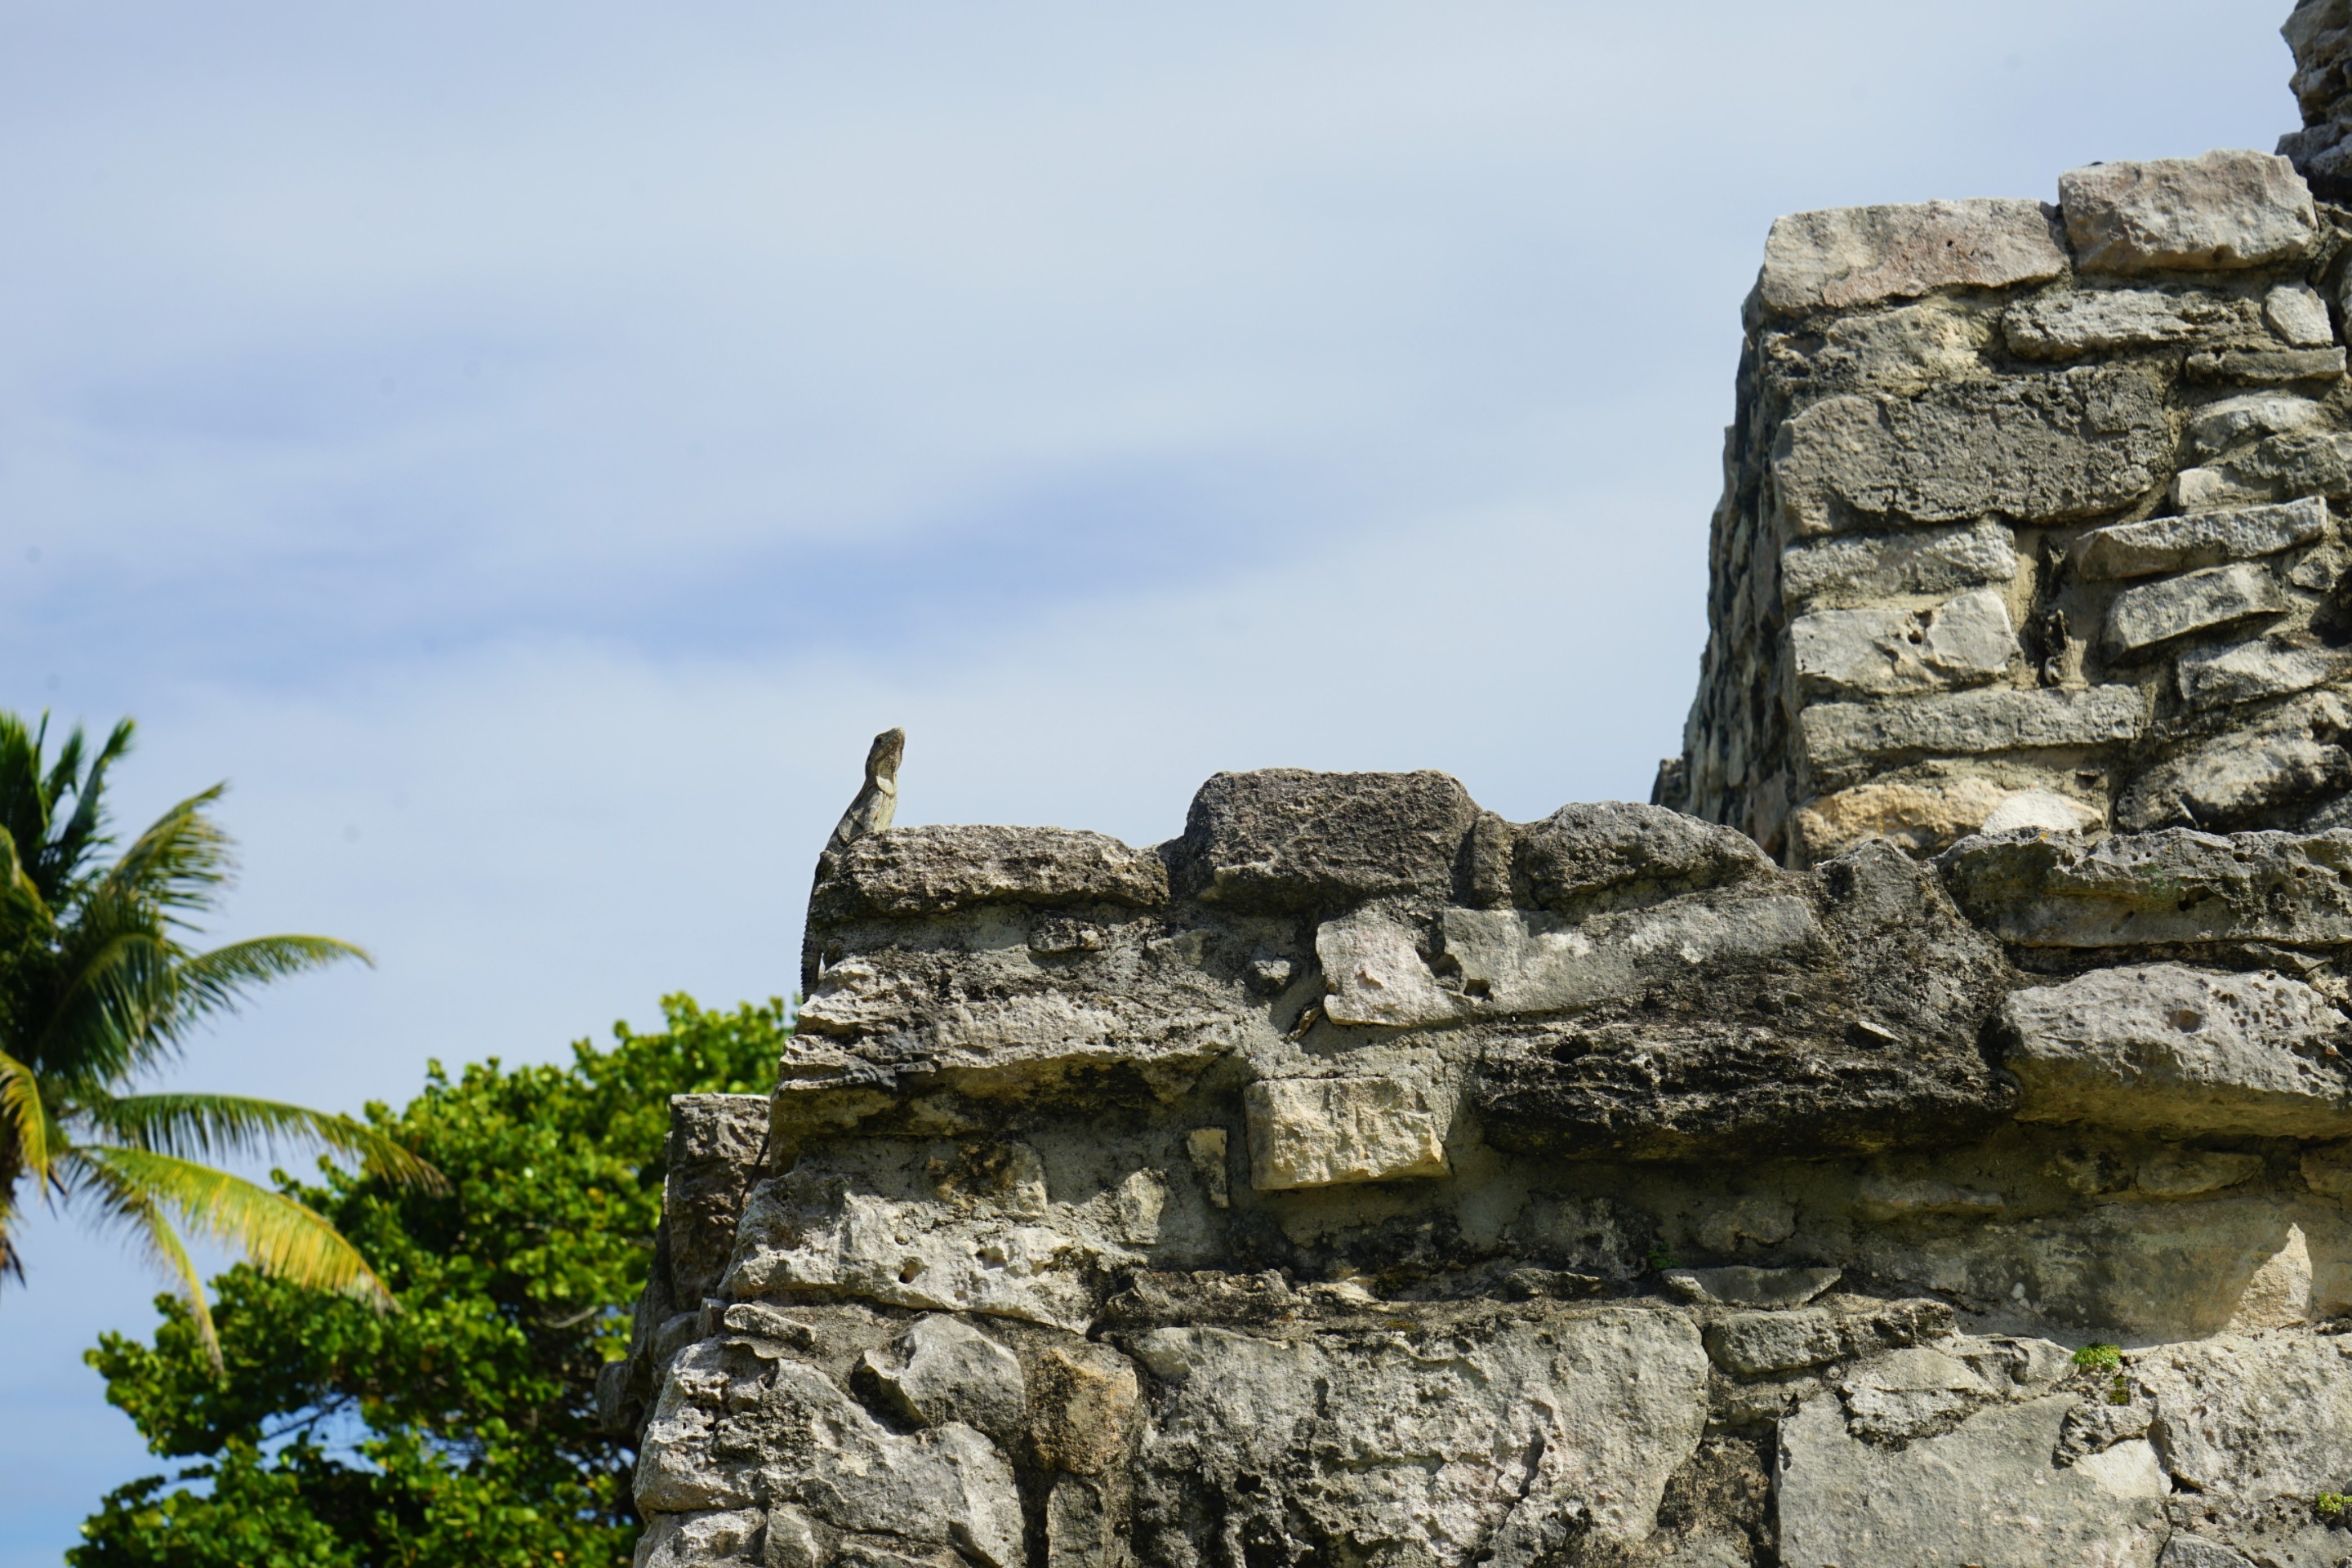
(2274, 761)
(2176, 886)
(714, 1147)
(1287, 839)
(904, 872)
(2293, 463)
(2163, 1047)
(2111, 320)
(2260, 366)
(2225, 209)
(1376, 975)
(934, 1227)
(1845, 257)
(2193, 1172)
(944, 1370)
(1756, 1345)
(713, 1539)
(1966, 641)
(724, 1411)
(1482, 1440)
(1926, 814)
(2250, 1416)
(1616, 854)
(2297, 313)
(2328, 1170)
(2152, 613)
(1080, 1528)
(1984, 1493)
(2201, 539)
(2207, 490)
(2218, 426)
(2247, 672)
(1740, 1286)
(2279, 1295)
(1882, 1197)
(2037, 448)
(1089, 1409)
(1320, 1131)
(2044, 810)
(1752, 1219)
(1859, 569)
(1840, 735)
(2187, 1550)
(1525, 961)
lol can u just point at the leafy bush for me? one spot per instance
(458, 1431)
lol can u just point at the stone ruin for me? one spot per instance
(1921, 1136)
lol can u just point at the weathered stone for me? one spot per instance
(873, 1222)
(2105, 321)
(2184, 1051)
(1740, 1286)
(2150, 612)
(724, 1413)
(2246, 1415)
(2040, 449)
(1751, 1219)
(1860, 989)
(2187, 1550)
(1926, 814)
(1846, 256)
(2201, 539)
(1315, 1133)
(1838, 735)
(2328, 1170)
(2173, 887)
(1089, 1409)
(2247, 672)
(700, 1540)
(2044, 810)
(2258, 367)
(1858, 569)
(1488, 1440)
(2297, 313)
(1287, 839)
(2216, 427)
(943, 1369)
(1756, 1345)
(1884, 1197)
(2193, 1172)
(715, 1141)
(1966, 641)
(1376, 975)
(1983, 1493)
(2286, 759)
(1615, 853)
(2222, 210)
(917, 871)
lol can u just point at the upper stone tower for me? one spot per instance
(2036, 510)
(2320, 34)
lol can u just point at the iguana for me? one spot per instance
(877, 803)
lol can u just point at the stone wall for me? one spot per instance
(2035, 504)
(1360, 1180)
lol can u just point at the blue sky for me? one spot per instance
(528, 449)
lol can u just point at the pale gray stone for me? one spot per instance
(1882, 1197)
(1316, 1132)
(2044, 809)
(1982, 1495)
(1740, 1286)
(2163, 1047)
(1967, 723)
(1481, 1443)
(932, 870)
(1965, 641)
(1910, 1393)
(2297, 313)
(2187, 1550)
(2263, 366)
(2152, 613)
(1285, 838)
(2042, 448)
(2171, 887)
(2254, 1415)
(1081, 1531)
(943, 1369)
(2105, 320)
(1858, 569)
(1846, 256)
(2284, 759)
(2201, 539)
(705, 1540)
(1756, 1345)
(2225, 209)
(2207, 490)
(1528, 962)
(2193, 1172)
(1615, 854)
(2218, 426)
(1375, 974)
(2246, 672)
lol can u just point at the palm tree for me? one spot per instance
(98, 989)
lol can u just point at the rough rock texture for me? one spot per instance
(1360, 1180)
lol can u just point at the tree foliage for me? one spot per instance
(99, 988)
(457, 1431)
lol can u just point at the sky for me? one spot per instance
(528, 450)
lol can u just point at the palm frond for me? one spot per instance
(277, 1235)
(181, 862)
(138, 1207)
(206, 1126)
(28, 1121)
(22, 907)
(214, 981)
(86, 829)
(118, 1009)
